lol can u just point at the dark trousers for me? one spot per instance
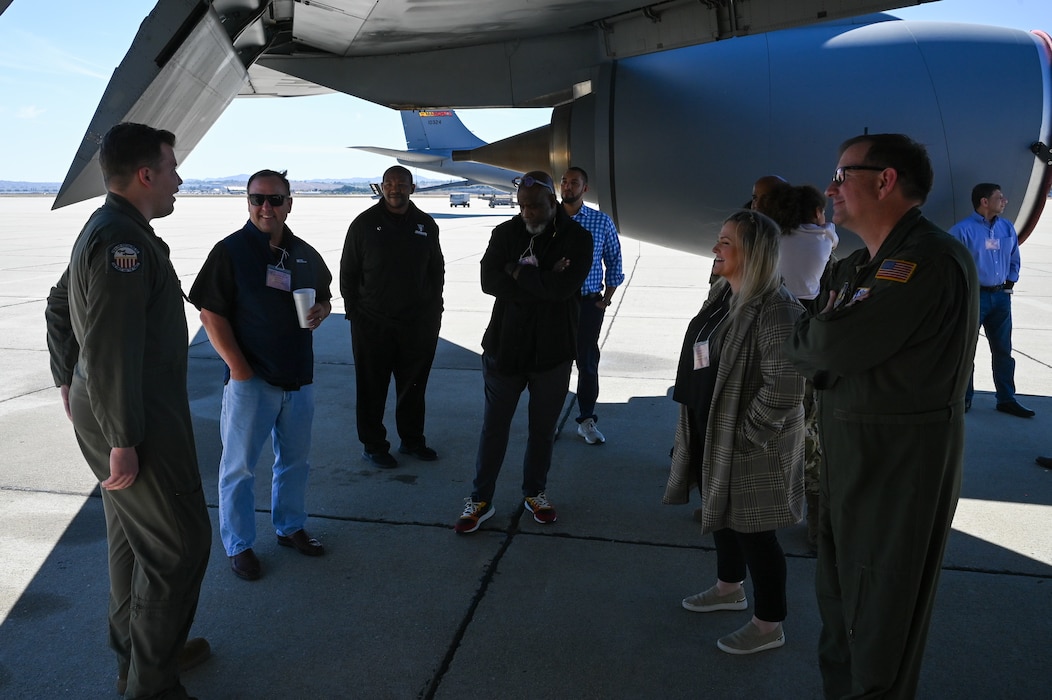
(589, 326)
(765, 560)
(379, 352)
(547, 392)
(159, 536)
(995, 316)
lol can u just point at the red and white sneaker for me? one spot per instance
(475, 513)
(543, 511)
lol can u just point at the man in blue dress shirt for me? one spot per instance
(994, 245)
(595, 297)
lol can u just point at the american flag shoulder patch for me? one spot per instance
(896, 270)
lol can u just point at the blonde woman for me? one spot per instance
(742, 406)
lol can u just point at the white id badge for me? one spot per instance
(701, 354)
(279, 279)
(993, 244)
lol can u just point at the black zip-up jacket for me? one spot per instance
(392, 270)
(533, 326)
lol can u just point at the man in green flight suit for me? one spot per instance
(118, 341)
(890, 354)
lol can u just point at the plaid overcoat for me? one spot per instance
(752, 468)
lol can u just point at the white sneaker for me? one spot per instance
(589, 432)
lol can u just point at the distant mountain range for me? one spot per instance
(234, 184)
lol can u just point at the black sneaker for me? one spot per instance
(423, 452)
(384, 460)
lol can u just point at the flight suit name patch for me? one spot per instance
(896, 270)
(860, 294)
(124, 257)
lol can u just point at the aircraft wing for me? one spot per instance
(405, 157)
(191, 58)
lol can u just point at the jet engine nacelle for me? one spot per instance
(673, 141)
(977, 97)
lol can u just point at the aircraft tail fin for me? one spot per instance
(436, 129)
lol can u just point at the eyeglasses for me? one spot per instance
(840, 174)
(530, 181)
(276, 200)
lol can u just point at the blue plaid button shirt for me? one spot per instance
(606, 249)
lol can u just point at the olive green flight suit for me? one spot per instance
(891, 362)
(117, 335)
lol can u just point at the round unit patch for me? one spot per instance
(124, 257)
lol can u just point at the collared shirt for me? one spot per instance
(233, 283)
(994, 247)
(606, 248)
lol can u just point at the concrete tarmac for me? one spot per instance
(400, 607)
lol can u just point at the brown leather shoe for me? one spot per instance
(194, 653)
(303, 542)
(246, 565)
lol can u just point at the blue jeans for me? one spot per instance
(588, 329)
(995, 316)
(252, 410)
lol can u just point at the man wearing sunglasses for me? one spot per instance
(534, 267)
(994, 245)
(391, 276)
(244, 291)
(889, 348)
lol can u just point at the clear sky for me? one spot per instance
(56, 58)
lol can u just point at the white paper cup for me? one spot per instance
(304, 299)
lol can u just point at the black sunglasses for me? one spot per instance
(276, 200)
(840, 173)
(530, 181)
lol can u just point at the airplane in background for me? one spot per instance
(431, 137)
(674, 107)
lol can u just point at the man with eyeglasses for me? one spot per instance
(889, 348)
(245, 293)
(994, 245)
(391, 277)
(534, 267)
(595, 297)
(117, 335)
